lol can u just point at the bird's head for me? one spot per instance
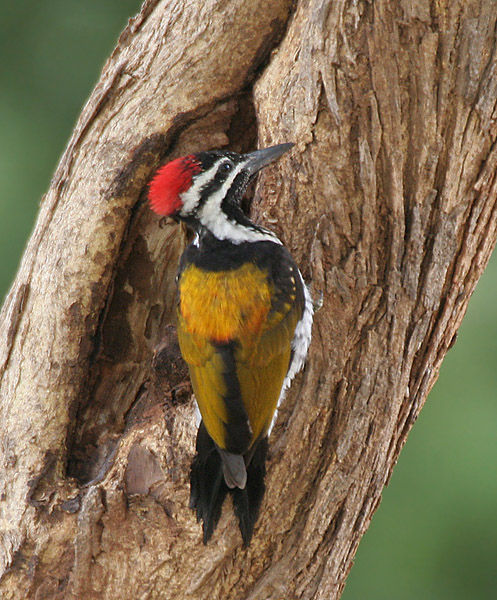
(205, 190)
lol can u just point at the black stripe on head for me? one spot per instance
(231, 204)
(226, 163)
(237, 189)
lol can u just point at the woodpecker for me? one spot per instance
(244, 319)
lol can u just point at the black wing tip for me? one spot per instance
(247, 502)
(246, 517)
(208, 488)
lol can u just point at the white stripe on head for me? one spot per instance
(191, 197)
(213, 218)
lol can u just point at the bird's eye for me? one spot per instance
(226, 167)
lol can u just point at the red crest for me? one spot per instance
(170, 182)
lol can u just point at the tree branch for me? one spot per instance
(388, 204)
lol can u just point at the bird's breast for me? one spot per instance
(224, 305)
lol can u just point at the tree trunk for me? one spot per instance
(388, 203)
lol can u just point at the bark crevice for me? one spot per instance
(389, 204)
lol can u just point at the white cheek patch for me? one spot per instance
(217, 222)
(191, 197)
(225, 229)
(211, 209)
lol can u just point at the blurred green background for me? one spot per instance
(435, 533)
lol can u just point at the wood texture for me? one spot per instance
(388, 202)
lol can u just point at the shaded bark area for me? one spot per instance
(388, 202)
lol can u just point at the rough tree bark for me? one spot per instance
(388, 203)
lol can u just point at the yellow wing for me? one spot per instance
(262, 365)
(235, 334)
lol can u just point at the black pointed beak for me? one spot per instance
(261, 158)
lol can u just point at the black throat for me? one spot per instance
(211, 254)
